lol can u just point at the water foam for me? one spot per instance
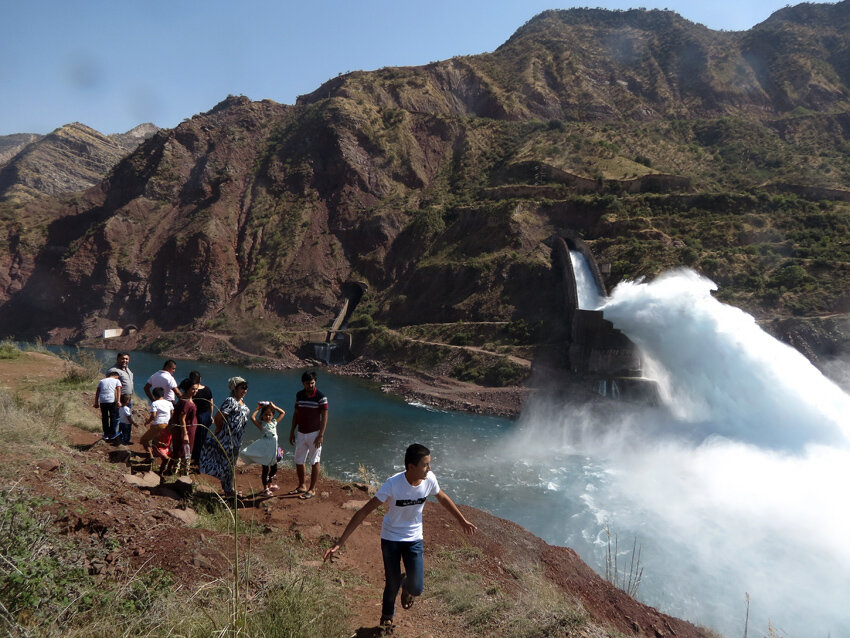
(736, 485)
(720, 370)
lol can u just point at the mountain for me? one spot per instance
(660, 143)
(71, 158)
(10, 145)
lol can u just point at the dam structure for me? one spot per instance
(597, 352)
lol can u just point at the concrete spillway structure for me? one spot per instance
(336, 348)
(597, 350)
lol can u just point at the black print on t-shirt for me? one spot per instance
(406, 501)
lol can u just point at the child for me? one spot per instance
(106, 397)
(125, 419)
(158, 431)
(264, 449)
(183, 423)
(401, 532)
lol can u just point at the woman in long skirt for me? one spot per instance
(221, 448)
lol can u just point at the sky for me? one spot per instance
(114, 64)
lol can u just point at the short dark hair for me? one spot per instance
(308, 376)
(157, 393)
(195, 376)
(414, 454)
(185, 384)
(169, 362)
(121, 354)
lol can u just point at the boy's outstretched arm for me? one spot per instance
(444, 500)
(355, 521)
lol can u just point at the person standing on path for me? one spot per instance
(401, 530)
(106, 398)
(164, 379)
(309, 418)
(204, 404)
(221, 448)
(183, 423)
(264, 450)
(125, 375)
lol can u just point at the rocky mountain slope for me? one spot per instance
(659, 142)
(71, 158)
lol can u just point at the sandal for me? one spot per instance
(407, 599)
(306, 496)
(297, 490)
(386, 625)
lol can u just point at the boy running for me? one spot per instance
(401, 531)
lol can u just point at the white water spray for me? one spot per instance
(721, 372)
(737, 486)
(588, 294)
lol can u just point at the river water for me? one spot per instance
(736, 485)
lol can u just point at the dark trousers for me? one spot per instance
(125, 431)
(204, 421)
(268, 473)
(394, 553)
(109, 419)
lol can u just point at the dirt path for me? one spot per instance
(513, 359)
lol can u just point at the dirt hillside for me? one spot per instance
(103, 494)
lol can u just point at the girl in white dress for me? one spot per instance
(264, 450)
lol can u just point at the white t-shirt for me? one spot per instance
(403, 521)
(161, 410)
(107, 388)
(164, 380)
(125, 414)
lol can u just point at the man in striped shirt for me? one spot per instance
(309, 418)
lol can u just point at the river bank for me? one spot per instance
(437, 391)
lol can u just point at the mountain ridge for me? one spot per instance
(71, 158)
(439, 186)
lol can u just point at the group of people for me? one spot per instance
(173, 435)
(185, 431)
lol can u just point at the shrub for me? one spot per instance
(40, 576)
(9, 350)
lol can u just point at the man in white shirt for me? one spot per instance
(401, 530)
(164, 379)
(125, 375)
(106, 398)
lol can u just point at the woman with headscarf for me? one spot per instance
(221, 448)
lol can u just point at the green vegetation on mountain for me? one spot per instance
(659, 142)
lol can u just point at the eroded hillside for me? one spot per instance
(661, 143)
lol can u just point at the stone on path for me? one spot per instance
(48, 465)
(353, 505)
(120, 456)
(188, 516)
(148, 479)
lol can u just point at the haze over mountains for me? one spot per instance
(71, 158)
(658, 141)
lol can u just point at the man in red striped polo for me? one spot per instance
(309, 418)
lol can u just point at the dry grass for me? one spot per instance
(532, 607)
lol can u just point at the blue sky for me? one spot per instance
(113, 64)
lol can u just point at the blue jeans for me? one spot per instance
(394, 553)
(116, 426)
